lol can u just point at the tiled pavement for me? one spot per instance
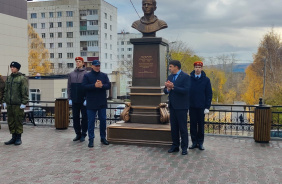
(50, 156)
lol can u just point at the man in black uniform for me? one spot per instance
(200, 102)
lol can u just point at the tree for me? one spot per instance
(38, 58)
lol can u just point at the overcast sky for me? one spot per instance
(210, 27)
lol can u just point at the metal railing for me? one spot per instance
(222, 119)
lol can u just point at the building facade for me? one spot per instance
(13, 35)
(71, 28)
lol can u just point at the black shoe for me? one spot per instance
(18, 139)
(173, 149)
(82, 139)
(201, 147)
(12, 141)
(193, 146)
(77, 137)
(184, 152)
(91, 143)
(104, 141)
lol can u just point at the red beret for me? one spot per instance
(198, 63)
(79, 58)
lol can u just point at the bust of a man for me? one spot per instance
(149, 24)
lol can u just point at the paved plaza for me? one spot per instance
(50, 156)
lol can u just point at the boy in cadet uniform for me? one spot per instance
(15, 98)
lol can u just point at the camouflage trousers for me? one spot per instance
(15, 119)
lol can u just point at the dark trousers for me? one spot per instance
(178, 124)
(102, 116)
(197, 129)
(15, 119)
(80, 127)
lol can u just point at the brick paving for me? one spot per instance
(50, 156)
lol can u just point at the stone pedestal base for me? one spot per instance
(136, 133)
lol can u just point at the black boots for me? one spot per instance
(16, 139)
(91, 143)
(12, 141)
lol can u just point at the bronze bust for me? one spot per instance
(149, 24)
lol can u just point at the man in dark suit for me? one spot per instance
(200, 102)
(96, 84)
(177, 86)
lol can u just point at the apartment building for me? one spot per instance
(13, 35)
(71, 28)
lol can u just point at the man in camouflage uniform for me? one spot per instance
(2, 86)
(16, 98)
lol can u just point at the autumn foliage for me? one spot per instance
(38, 58)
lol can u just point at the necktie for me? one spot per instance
(174, 77)
(197, 77)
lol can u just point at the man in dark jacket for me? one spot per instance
(200, 102)
(96, 84)
(76, 96)
(15, 98)
(177, 86)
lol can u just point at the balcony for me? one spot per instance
(83, 28)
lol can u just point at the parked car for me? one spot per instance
(119, 110)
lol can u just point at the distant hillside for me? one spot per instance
(237, 67)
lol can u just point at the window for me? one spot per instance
(60, 55)
(69, 13)
(111, 37)
(111, 27)
(106, 16)
(52, 66)
(69, 34)
(111, 18)
(129, 56)
(59, 14)
(111, 46)
(51, 45)
(93, 22)
(51, 35)
(70, 44)
(92, 43)
(92, 12)
(128, 43)
(33, 15)
(51, 14)
(70, 24)
(60, 45)
(43, 25)
(93, 32)
(82, 12)
(106, 46)
(34, 25)
(129, 49)
(60, 34)
(106, 56)
(83, 53)
(106, 65)
(106, 35)
(70, 65)
(122, 42)
(83, 33)
(122, 49)
(42, 15)
(117, 43)
(64, 91)
(111, 56)
(34, 94)
(51, 55)
(59, 24)
(105, 25)
(69, 56)
(60, 65)
(51, 25)
(111, 66)
(42, 35)
(122, 56)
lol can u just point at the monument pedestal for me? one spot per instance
(137, 133)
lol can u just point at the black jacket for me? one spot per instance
(76, 92)
(179, 96)
(96, 97)
(200, 91)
